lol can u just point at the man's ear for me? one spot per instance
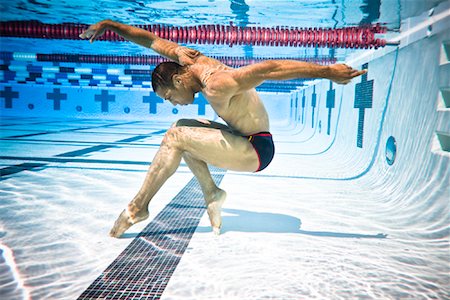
(176, 80)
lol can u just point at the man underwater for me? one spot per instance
(244, 145)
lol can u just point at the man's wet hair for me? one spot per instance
(163, 73)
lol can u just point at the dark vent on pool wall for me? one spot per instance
(442, 135)
(444, 85)
(444, 98)
(445, 52)
(444, 141)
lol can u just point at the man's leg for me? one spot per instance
(164, 164)
(211, 146)
(214, 197)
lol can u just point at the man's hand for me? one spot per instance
(343, 74)
(95, 30)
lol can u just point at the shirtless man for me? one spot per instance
(244, 145)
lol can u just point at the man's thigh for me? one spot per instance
(218, 147)
(203, 123)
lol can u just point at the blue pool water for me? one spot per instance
(354, 205)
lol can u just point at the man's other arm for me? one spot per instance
(166, 48)
(251, 76)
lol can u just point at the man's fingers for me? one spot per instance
(356, 73)
(91, 33)
(85, 35)
(95, 35)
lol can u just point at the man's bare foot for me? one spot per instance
(214, 208)
(125, 221)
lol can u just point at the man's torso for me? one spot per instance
(244, 112)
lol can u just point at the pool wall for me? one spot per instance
(404, 94)
(76, 90)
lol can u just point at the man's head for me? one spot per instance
(169, 82)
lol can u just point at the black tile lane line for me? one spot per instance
(18, 168)
(18, 124)
(8, 170)
(77, 143)
(109, 163)
(82, 152)
(103, 147)
(70, 130)
(57, 159)
(75, 160)
(144, 268)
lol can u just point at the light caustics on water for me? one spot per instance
(15, 281)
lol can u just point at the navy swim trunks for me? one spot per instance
(263, 144)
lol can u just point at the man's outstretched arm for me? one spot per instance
(251, 76)
(171, 50)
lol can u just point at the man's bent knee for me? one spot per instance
(172, 136)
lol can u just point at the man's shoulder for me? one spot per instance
(211, 61)
(220, 81)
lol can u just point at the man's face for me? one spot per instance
(179, 95)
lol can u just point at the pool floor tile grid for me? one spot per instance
(144, 268)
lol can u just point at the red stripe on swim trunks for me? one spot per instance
(262, 134)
